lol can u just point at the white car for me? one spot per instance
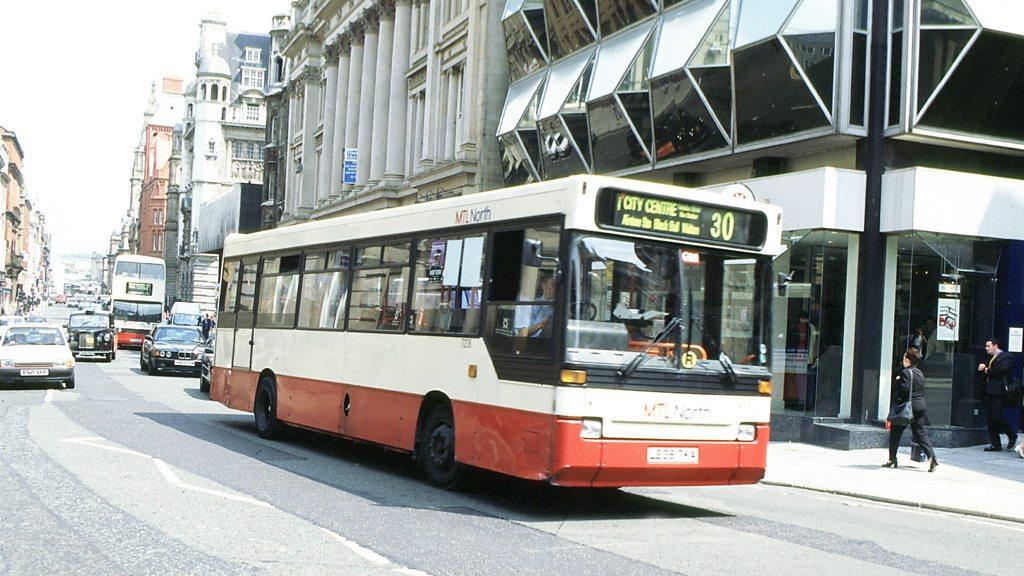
(35, 353)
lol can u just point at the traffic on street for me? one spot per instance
(129, 473)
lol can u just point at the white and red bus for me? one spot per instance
(137, 297)
(589, 331)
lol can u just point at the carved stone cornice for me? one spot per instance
(371, 17)
(386, 9)
(331, 52)
(312, 74)
(357, 30)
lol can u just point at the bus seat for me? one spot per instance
(471, 321)
(597, 335)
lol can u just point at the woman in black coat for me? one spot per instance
(910, 385)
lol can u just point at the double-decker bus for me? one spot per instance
(136, 297)
(588, 331)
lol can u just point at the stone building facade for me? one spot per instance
(389, 102)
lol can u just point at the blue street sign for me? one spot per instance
(351, 165)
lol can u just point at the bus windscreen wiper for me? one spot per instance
(628, 368)
(723, 359)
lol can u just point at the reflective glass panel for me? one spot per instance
(638, 108)
(985, 94)
(682, 126)
(939, 49)
(511, 7)
(567, 30)
(562, 78)
(614, 144)
(816, 55)
(896, 78)
(638, 77)
(714, 49)
(945, 13)
(859, 78)
(614, 15)
(772, 99)
(517, 102)
(514, 162)
(534, 14)
(558, 154)
(681, 32)
(613, 58)
(577, 125)
(814, 17)
(524, 54)
(716, 85)
(760, 19)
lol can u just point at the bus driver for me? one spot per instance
(541, 314)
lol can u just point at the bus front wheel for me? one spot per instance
(437, 448)
(265, 410)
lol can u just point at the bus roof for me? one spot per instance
(574, 197)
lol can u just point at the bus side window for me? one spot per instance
(521, 316)
(228, 294)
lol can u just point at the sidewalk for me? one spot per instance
(967, 481)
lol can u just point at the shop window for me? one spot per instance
(446, 295)
(377, 300)
(521, 316)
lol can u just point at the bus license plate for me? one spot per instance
(184, 362)
(657, 455)
(35, 372)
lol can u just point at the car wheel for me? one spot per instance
(142, 364)
(265, 410)
(70, 384)
(150, 368)
(436, 452)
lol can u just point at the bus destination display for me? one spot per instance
(139, 288)
(678, 219)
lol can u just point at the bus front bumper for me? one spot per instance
(609, 462)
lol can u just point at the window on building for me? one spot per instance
(158, 242)
(252, 55)
(279, 69)
(189, 110)
(202, 92)
(252, 78)
(252, 112)
(224, 93)
(224, 113)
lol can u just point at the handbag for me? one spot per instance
(902, 414)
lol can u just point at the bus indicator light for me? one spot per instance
(574, 377)
(472, 371)
(764, 387)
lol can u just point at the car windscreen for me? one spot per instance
(33, 337)
(182, 319)
(88, 321)
(171, 334)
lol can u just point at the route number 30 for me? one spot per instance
(723, 225)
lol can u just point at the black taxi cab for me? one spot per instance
(91, 333)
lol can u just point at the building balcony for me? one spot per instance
(15, 266)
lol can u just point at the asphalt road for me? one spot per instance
(133, 474)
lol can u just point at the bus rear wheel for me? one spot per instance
(437, 449)
(265, 409)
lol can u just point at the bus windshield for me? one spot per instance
(149, 312)
(624, 292)
(143, 270)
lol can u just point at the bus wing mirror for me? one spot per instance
(533, 253)
(783, 282)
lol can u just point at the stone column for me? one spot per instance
(431, 109)
(397, 130)
(343, 45)
(291, 191)
(310, 119)
(355, 78)
(366, 97)
(414, 39)
(323, 187)
(382, 91)
(450, 114)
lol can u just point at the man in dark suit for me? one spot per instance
(999, 371)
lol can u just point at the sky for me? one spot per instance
(74, 88)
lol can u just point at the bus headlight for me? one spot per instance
(746, 433)
(6, 363)
(591, 428)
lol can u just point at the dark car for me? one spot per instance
(92, 334)
(206, 364)
(172, 348)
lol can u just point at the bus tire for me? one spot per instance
(264, 408)
(437, 448)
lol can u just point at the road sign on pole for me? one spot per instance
(351, 165)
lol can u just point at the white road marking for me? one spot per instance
(227, 495)
(49, 396)
(365, 553)
(93, 442)
(411, 572)
(166, 471)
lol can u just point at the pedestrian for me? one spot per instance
(207, 324)
(999, 371)
(910, 388)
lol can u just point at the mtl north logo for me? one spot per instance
(473, 215)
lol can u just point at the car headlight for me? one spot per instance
(64, 363)
(6, 363)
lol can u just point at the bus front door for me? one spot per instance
(245, 320)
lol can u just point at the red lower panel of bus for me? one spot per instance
(519, 443)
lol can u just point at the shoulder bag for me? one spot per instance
(902, 414)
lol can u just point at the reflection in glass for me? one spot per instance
(860, 18)
(682, 125)
(614, 15)
(859, 78)
(563, 78)
(614, 144)
(985, 94)
(567, 30)
(816, 55)
(761, 19)
(637, 77)
(534, 14)
(814, 17)
(714, 50)
(576, 123)
(896, 78)
(681, 32)
(531, 143)
(945, 13)
(772, 99)
(524, 54)
(638, 108)
(514, 162)
(558, 154)
(613, 58)
(716, 85)
(518, 103)
(939, 49)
